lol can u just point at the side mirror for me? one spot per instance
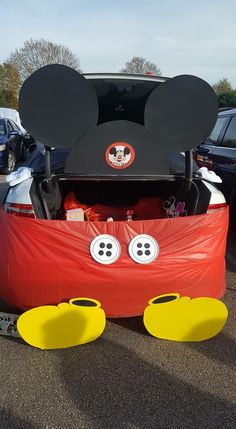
(27, 136)
(203, 149)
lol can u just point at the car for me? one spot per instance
(107, 206)
(218, 153)
(14, 145)
(220, 147)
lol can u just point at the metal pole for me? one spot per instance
(48, 171)
(189, 165)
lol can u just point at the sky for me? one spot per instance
(180, 36)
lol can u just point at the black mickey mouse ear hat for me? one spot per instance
(181, 112)
(90, 155)
(179, 115)
(57, 105)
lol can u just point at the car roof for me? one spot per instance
(125, 76)
(229, 111)
(11, 120)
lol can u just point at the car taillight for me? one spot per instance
(214, 207)
(25, 210)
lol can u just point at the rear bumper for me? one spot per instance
(47, 262)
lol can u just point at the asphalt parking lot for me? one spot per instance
(126, 379)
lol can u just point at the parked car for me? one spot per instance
(218, 153)
(14, 145)
(108, 211)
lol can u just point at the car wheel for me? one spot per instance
(230, 250)
(11, 163)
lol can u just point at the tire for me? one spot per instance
(230, 250)
(11, 160)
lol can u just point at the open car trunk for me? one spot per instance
(121, 200)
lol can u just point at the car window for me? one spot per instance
(217, 129)
(2, 128)
(9, 127)
(229, 139)
(122, 98)
(14, 126)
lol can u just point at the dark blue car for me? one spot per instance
(14, 145)
(218, 153)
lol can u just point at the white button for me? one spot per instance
(105, 249)
(143, 249)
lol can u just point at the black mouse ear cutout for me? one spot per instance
(126, 151)
(57, 105)
(112, 151)
(181, 112)
(94, 152)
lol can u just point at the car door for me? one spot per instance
(227, 146)
(225, 161)
(15, 138)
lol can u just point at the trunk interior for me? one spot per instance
(120, 200)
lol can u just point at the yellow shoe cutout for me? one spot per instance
(66, 325)
(184, 319)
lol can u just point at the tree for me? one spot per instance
(37, 53)
(140, 66)
(227, 99)
(222, 86)
(225, 93)
(9, 86)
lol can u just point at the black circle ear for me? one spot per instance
(58, 105)
(126, 151)
(112, 151)
(181, 112)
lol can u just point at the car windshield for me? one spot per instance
(2, 128)
(217, 128)
(122, 99)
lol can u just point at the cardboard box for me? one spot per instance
(75, 214)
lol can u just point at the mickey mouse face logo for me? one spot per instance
(120, 155)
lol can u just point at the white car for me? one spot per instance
(144, 222)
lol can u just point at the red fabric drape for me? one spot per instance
(49, 261)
